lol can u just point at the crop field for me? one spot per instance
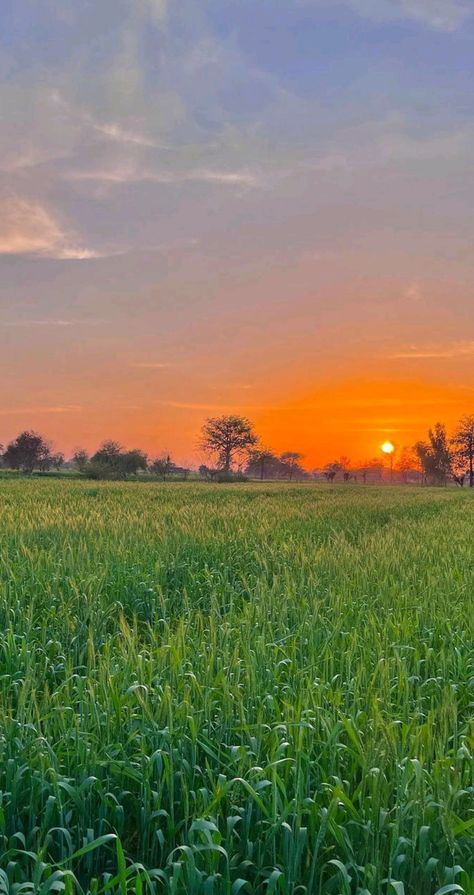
(234, 689)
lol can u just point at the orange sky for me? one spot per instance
(324, 361)
(350, 416)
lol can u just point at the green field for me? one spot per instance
(230, 689)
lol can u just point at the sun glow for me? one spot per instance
(387, 447)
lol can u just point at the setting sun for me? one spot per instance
(387, 447)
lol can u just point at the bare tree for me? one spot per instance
(162, 466)
(230, 437)
(291, 460)
(463, 443)
(57, 460)
(344, 463)
(407, 464)
(260, 460)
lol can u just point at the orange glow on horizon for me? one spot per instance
(352, 417)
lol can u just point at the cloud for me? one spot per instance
(19, 411)
(72, 253)
(390, 140)
(436, 352)
(441, 15)
(216, 408)
(152, 366)
(156, 9)
(129, 171)
(122, 135)
(92, 126)
(413, 292)
(45, 322)
(28, 228)
(227, 178)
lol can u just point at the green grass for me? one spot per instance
(235, 689)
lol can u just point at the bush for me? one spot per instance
(226, 477)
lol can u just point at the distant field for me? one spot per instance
(230, 689)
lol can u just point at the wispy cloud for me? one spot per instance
(42, 322)
(19, 411)
(156, 9)
(439, 352)
(132, 172)
(216, 408)
(227, 178)
(233, 386)
(441, 15)
(413, 292)
(48, 322)
(28, 228)
(123, 135)
(389, 140)
(152, 366)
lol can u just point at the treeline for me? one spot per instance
(237, 454)
(442, 457)
(30, 452)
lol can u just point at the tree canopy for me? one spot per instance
(228, 438)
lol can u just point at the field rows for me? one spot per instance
(231, 689)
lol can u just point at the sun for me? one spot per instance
(387, 447)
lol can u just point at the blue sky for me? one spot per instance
(172, 173)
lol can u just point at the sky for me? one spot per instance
(232, 206)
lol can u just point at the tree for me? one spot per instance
(80, 459)
(105, 463)
(229, 437)
(290, 460)
(108, 452)
(407, 464)
(206, 473)
(331, 470)
(57, 460)
(345, 466)
(261, 461)
(133, 462)
(434, 455)
(374, 468)
(112, 462)
(162, 466)
(463, 443)
(29, 451)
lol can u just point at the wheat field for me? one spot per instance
(233, 689)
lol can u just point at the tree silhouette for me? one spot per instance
(162, 466)
(291, 460)
(29, 451)
(463, 443)
(229, 437)
(434, 455)
(261, 460)
(112, 462)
